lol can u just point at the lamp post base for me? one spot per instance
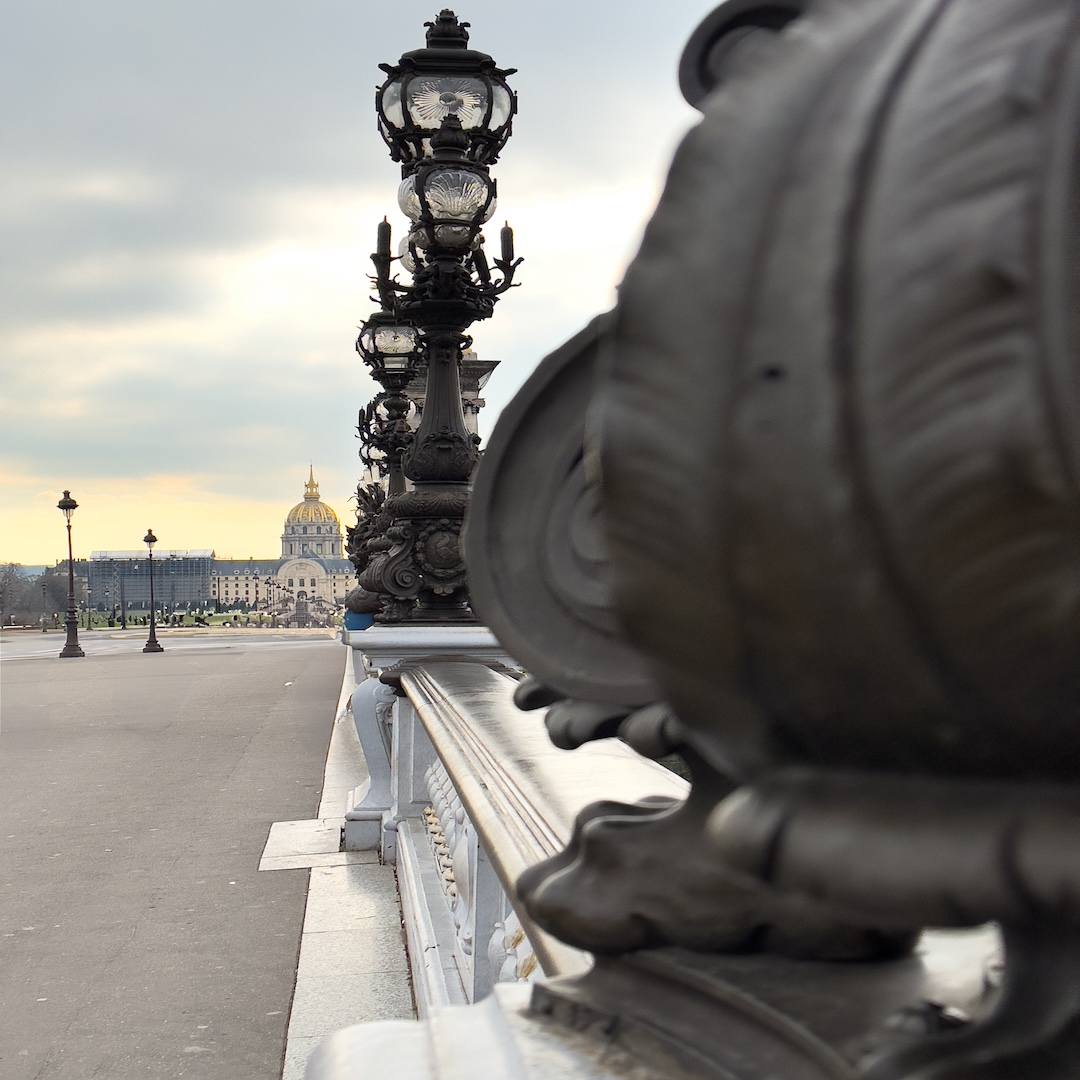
(420, 572)
(71, 646)
(152, 646)
(417, 615)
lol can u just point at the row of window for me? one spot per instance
(237, 579)
(300, 584)
(247, 581)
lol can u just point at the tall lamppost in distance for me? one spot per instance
(151, 642)
(71, 621)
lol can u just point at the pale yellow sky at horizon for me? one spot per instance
(114, 516)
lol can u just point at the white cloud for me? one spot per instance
(185, 232)
(24, 192)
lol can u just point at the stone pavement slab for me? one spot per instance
(309, 837)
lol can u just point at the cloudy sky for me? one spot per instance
(188, 198)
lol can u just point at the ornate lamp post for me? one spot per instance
(71, 621)
(445, 111)
(151, 642)
(392, 352)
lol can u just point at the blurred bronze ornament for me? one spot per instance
(836, 437)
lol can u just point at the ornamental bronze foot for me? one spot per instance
(642, 876)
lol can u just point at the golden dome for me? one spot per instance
(311, 511)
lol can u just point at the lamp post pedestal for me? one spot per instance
(422, 575)
(71, 625)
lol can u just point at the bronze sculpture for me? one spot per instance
(834, 447)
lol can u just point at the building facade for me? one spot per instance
(304, 585)
(307, 582)
(121, 579)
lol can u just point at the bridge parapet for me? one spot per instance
(470, 793)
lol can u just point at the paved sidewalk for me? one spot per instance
(353, 965)
(137, 937)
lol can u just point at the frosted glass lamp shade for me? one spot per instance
(432, 99)
(405, 256)
(395, 340)
(387, 345)
(450, 194)
(446, 78)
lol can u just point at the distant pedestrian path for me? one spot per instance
(137, 937)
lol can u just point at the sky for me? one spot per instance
(188, 200)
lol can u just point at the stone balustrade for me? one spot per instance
(465, 793)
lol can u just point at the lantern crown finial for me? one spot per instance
(446, 32)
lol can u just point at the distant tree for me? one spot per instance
(56, 588)
(20, 594)
(11, 580)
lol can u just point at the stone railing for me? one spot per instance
(465, 793)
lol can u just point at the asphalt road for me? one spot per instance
(137, 938)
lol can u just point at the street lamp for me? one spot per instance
(152, 642)
(287, 600)
(392, 351)
(445, 111)
(71, 621)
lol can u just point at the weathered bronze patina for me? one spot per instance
(834, 445)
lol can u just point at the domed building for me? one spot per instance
(309, 580)
(311, 527)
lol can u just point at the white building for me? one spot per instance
(311, 576)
